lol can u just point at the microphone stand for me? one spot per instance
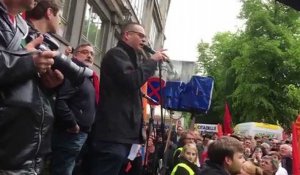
(155, 164)
(149, 132)
(162, 123)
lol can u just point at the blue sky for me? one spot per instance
(190, 21)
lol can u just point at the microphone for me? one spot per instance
(151, 51)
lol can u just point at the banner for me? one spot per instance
(194, 96)
(206, 127)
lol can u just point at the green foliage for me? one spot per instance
(256, 69)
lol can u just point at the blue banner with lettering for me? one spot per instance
(194, 96)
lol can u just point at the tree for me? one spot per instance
(255, 69)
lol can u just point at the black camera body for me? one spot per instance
(70, 70)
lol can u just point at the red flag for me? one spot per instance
(220, 130)
(296, 167)
(227, 121)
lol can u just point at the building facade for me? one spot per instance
(98, 22)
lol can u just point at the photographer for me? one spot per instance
(44, 18)
(25, 113)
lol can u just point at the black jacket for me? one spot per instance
(183, 171)
(25, 112)
(119, 115)
(75, 104)
(211, 168)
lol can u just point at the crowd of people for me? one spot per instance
(193, 152)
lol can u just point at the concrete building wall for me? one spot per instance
(99, 21)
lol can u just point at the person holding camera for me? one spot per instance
(25, 112)
(75, 109)
(44, 18)
(118, 123)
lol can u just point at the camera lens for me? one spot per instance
(72, 71)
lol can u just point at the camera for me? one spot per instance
(70, 70)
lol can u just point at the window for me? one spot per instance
(64, 17)
(114, 40)
(138, 7)
(153, 33)
(91, 31)
(92, 26)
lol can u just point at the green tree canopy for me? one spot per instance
(256, 68)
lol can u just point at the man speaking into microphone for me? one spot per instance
(119, 118)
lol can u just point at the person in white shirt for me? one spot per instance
(276, 156)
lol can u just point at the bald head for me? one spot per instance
(129, 27)
(285, 150)
(133, 34)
